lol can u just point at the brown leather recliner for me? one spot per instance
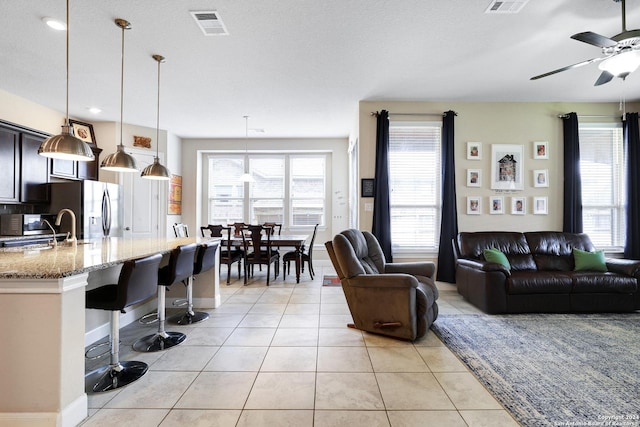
(395, 299)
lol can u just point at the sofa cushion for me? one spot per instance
(494, 255)
(539, 282)
(603, 283)
(512, 244)
(553, 251)
(589, 261)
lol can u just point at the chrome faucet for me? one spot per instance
(72, 239)
(55, 242)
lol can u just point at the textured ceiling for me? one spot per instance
(299, 67)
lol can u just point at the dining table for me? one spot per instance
(295, 241)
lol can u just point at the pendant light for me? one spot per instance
(246, 176)
(65, 145)
(156, 170)
(120, 161)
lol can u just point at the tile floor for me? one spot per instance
(283, 356)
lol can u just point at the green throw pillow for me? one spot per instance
(590, 261)
(494, 255)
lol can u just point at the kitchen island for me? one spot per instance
(42, 318)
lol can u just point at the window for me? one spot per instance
(414, 175)
(603, 184)
(288, 188)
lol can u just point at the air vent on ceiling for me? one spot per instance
(513, 6)
(210, 23)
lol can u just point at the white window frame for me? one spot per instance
(615, 240)
(418, 203)
(247, 198)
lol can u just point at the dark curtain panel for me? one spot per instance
(632, 148)
(572, 212)
(381, 213)
(449, 222)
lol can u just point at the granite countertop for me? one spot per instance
(46, 262)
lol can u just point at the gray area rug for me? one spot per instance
(553, 369)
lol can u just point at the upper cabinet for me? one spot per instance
(34, 171)
(77, 170)
(9, 166)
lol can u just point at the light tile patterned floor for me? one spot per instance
(283, 356)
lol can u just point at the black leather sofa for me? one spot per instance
(541, 277)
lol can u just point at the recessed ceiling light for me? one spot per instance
(55, 24)
(94, 110)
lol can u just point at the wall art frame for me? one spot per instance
(474, 205)
(474, 178)
(540, 206)
(540, 178)
(540, 150)
(518, 205)
(507, 164)
(496, 205)
(474, 150)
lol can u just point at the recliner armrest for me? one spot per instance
(628, 267)
(422, 268)
(393, 280)
(483, 265)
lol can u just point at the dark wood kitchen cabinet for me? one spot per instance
(34, 171)
(77, 170)
(89, 170)
(9, 166)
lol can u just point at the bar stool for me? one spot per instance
(180, 268)
(205, 260)
(138, 282)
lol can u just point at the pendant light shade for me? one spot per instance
(120, 161)
(246, 176)
(156, 170)
(65, 145)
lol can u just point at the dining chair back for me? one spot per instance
(306, 256)
(257, 250)
(180, 230)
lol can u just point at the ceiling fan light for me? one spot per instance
(622, 64)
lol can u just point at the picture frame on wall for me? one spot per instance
(541, 178)
(540, 150)
(474, 178)
(518, 206)
(474, 205)
(496, 205)
(540, 206)
(474, 150)
(367, 187)
(507, 164)
(83, 131)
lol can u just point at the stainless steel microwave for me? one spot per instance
(26, 224)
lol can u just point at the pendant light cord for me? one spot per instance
(159, 59)
(67, 76)
(122, 86)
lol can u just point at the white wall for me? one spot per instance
(491, 123)
(194, 192)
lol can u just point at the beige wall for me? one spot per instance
(491, 123)
(194, 206)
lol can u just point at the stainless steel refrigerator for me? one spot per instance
(97, 206)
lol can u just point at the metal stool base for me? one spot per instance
(158, 342)
(111, 377)
(188, 318)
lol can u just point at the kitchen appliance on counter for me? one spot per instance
(96, 205)
(26, 224)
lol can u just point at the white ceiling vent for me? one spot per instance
(513, 6)
(210, 23)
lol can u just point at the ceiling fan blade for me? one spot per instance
(594, 39)
(568, 67)
(605, 77)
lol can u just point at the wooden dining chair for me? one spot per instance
(180, 230)
(307, 256)
(257, 250)
(275, 227)
(228, 253)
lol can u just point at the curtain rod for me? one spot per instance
(591, 116)
(376, 113)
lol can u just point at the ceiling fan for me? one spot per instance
(621, 53)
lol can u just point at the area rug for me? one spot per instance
(330, 281)
(553, 369)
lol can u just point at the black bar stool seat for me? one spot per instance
(138, 282)
(205, 260)
(180, 268)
